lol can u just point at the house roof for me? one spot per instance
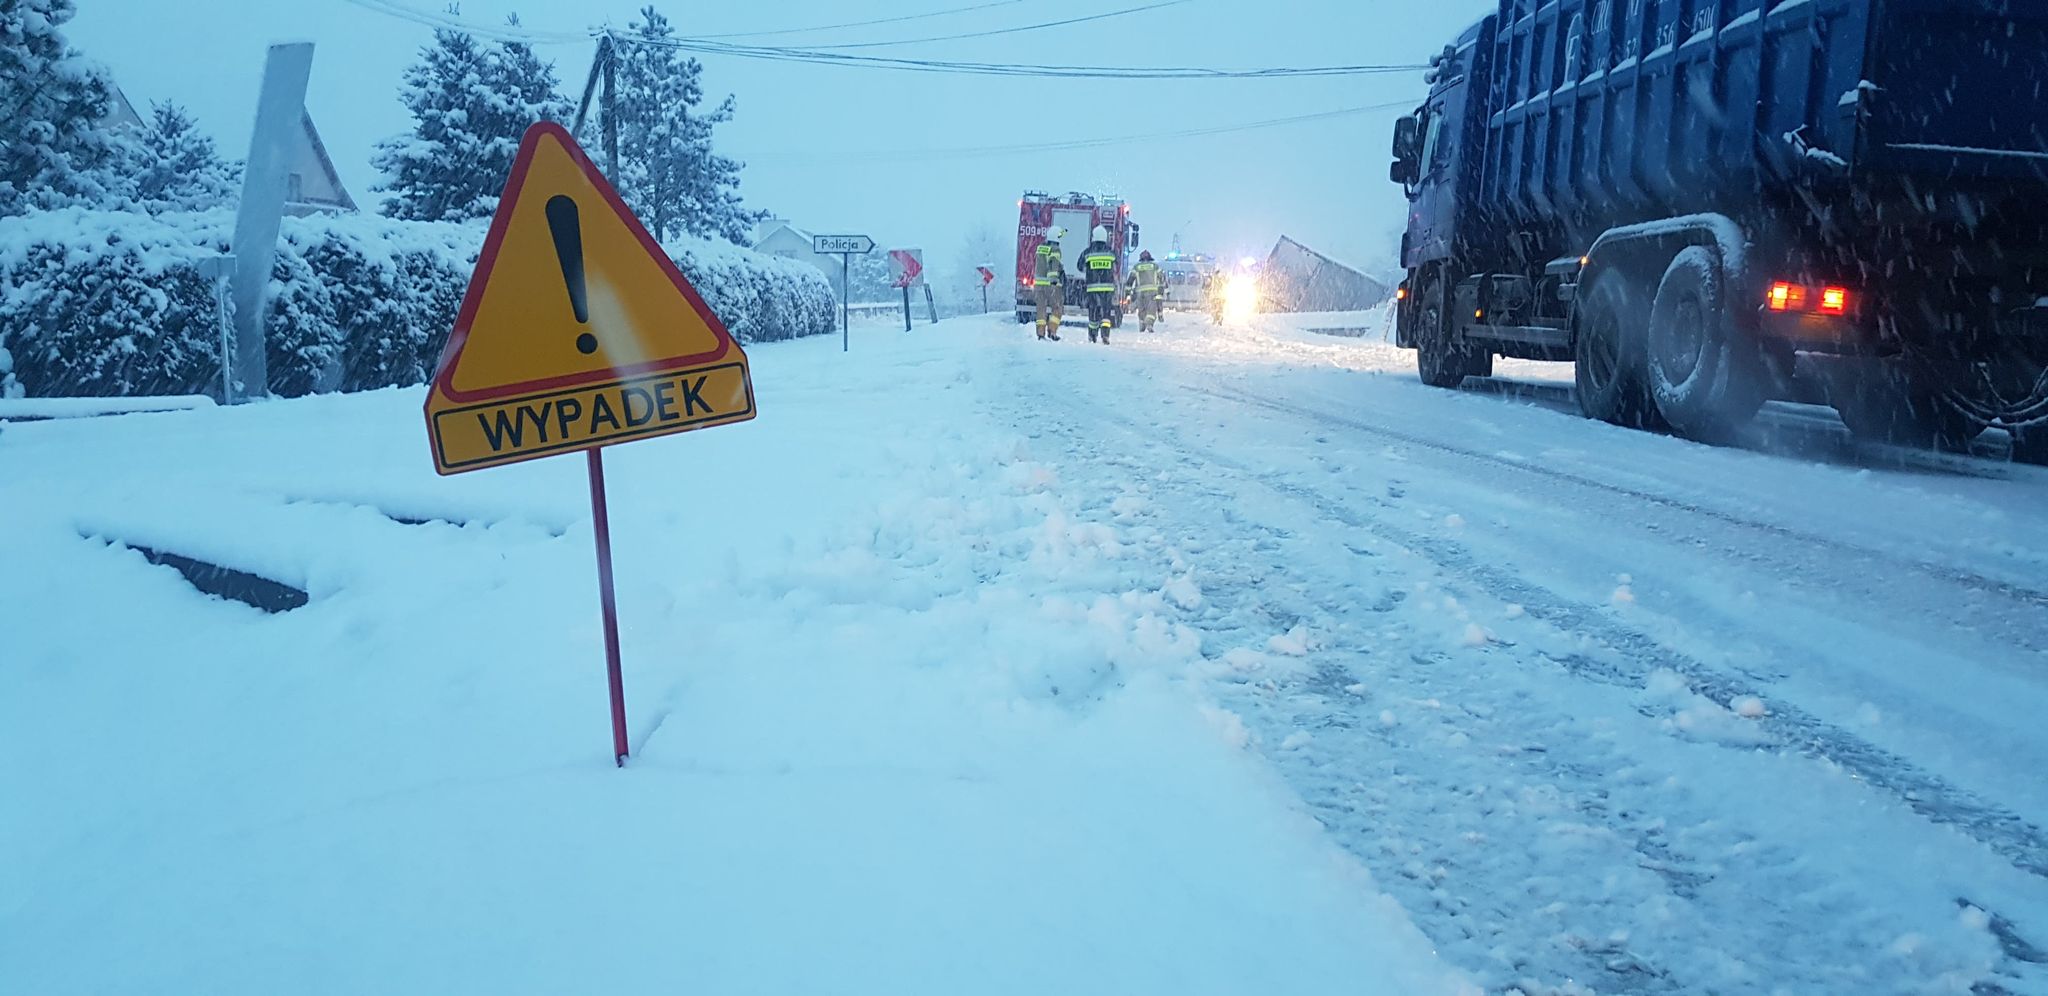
(348, 203)
(775, 226)
(122, 113)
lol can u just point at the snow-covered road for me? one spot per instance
(982, 664)
(1601, 706)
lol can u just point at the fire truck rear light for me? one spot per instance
(1786, 297)
(1834, 300)
(1400, 293)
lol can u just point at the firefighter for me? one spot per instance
(1098, 268)
(1147, 284)
(1216, 287)
(1049, 285)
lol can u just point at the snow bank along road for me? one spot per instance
(1221, 660)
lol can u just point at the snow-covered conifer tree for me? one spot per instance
(176, 167)
(55, 149)
(470, 103)
(669, 174)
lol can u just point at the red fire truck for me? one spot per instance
(1039, 212)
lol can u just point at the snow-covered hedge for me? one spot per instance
(96, 303)
(112, 303)
(393, 288)
(761, 298)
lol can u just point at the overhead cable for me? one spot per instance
(996, 31)
(970, 152)
(787, 54)
(863, 24)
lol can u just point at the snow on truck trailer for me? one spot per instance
(1038, 213)
(1705, 205)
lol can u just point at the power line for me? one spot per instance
(807, 56)
(450, 22)
(843, 59)
(971, 152)
(996, 31)
(863, 24)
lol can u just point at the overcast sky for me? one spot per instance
(858, 150)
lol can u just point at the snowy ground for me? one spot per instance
(1220, 660)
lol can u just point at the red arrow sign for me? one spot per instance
(908, 267)
(988, 276)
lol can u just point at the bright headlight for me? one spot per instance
(1240, 298)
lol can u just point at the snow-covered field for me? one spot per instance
(1215, 661)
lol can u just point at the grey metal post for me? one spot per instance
(845, 287)
(218, 269)
(280, 112)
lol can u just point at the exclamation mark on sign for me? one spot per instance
(568, 232)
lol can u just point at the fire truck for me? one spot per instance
(1039, 212)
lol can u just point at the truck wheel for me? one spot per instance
(1605, 370)
(1025, 317)
(1438, 361)
(1702, 370)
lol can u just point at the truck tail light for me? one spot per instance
(1828, 299)
(1400, 293)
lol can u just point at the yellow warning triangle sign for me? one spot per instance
(577, 329)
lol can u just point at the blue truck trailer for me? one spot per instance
(1707, 204)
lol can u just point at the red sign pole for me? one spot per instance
(603, 525)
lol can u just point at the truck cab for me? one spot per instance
(1433, 163)
(1429, 153)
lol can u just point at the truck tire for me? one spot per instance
(1702, 369)
(1026, 317)
(1438, 361)
(1606, 373)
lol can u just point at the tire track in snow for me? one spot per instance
(1613, 968)
(1960, 577)
(2005, 832)
(1924, 794)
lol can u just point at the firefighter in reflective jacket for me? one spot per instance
(1049, 285)
(1147, 284)
(1098, 267)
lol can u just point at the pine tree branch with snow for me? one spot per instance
(55, 147)
(668, 172)
(471, 103)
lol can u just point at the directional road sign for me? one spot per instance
(854, 244)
